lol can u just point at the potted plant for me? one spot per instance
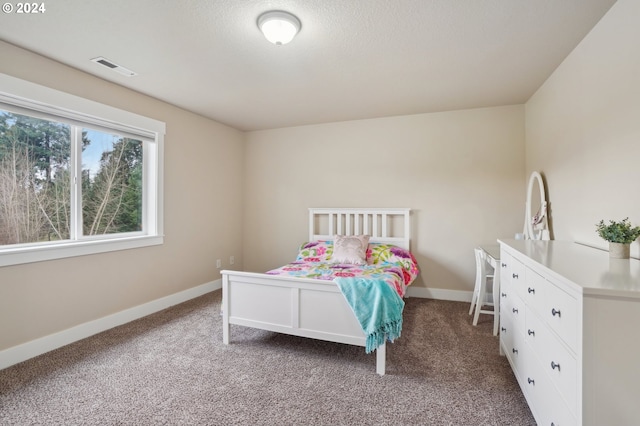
(620, 236)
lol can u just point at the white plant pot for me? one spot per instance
(619, 250)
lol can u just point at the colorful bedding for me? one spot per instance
(374, 291)
(394, 265)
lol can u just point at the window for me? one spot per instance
(76, 177)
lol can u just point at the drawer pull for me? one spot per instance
(514, 350)
(554, 366)
(504, 294)
(514, 310)
(531, 333)
(531, 290)
(514, 275)
(531, 381)
(504, 330)
(554, 312)
(504, 265)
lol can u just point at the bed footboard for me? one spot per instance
(301, 307)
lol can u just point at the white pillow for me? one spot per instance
(350, 249)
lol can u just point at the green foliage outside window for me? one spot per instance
(35, 183)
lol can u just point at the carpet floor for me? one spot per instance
(171, 368)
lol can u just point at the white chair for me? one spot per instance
(480, 292)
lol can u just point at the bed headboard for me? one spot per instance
(384, 225)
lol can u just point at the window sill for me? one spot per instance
(21, 255)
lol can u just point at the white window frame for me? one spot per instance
(17, 94)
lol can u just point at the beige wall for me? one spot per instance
(202, 199)
(461, 172)
(583, 129)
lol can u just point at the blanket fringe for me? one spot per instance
(389, 331)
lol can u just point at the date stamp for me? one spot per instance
(24, 8)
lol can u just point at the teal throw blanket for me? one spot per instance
(377, 307)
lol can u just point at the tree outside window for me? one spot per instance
(37, 181)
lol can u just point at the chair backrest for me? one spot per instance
(482, 267)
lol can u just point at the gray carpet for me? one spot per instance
(171, 368)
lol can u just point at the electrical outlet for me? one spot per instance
(218, 263)
(232, 260)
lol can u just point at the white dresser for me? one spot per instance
(570, 328)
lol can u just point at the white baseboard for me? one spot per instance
(440, 294)
(23, 352)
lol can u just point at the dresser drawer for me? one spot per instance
(505, 261)
(507, 324)
(512, 313)
(516, 310)
(507, 292)
(514, 347)
(561, 313)
(555, 360)
(534, 289)
(516, 274)
(507, 334)
(534, 329)
(545, 400)
(505, 271)
(506, 303)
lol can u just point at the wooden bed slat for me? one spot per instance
(374, 232)
(383, 225)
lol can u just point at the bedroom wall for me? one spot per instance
(583, 129)
(461, 172)
(202, 199)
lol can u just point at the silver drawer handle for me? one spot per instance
(504, 265)
(514, 350)
(514, 310)
(531, 381)
(504, 294)
(554, 312)
(504, 330)
(554, 366)
(531, 333)
(514, 275)
(531, 290)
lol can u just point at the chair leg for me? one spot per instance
(480, 300)
(474, 299)
(476, 290)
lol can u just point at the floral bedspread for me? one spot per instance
(392, 264)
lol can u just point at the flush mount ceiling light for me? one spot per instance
(278, 27)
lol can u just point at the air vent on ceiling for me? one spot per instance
(117, 68)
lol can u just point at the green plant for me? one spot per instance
(618, 232)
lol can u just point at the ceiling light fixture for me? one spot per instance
(278, 27)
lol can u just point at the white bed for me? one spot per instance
(308, 307)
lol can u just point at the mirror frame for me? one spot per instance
(529, 231)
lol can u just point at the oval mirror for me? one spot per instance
(535, 220)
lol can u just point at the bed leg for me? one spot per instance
(225, 330)
(381, 359)
(225, 310)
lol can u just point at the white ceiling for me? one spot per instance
(353, 59)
